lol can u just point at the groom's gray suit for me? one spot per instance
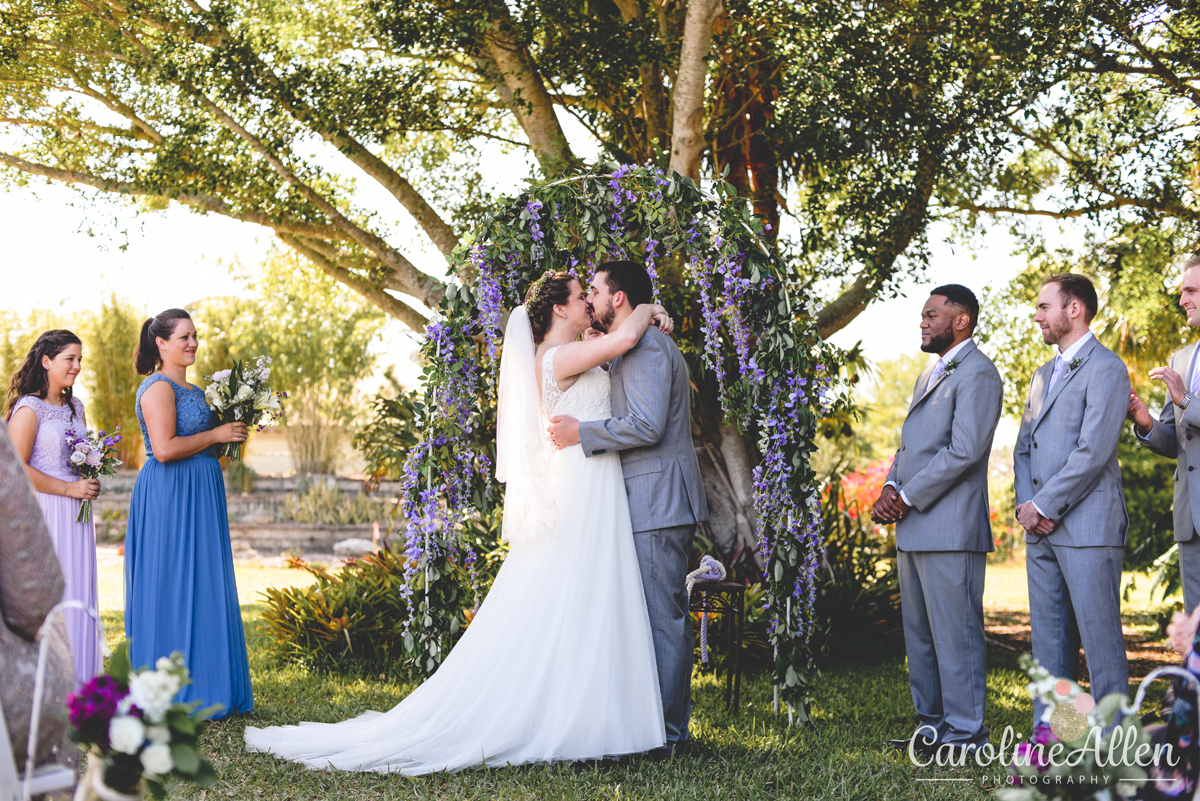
(652, 428)
(1176, 435)
(1065, 461)
(943, 540)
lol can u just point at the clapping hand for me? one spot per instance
(1173, 381)
(889, 506)
(1181, 631)
(1032, 521)
(1138, 414)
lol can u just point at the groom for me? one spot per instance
(652, 428)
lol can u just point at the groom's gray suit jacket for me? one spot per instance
(652, 428)
(1065, 459)
(942, 463)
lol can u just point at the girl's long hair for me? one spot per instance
(33, 379)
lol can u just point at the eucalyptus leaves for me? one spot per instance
(745, 324)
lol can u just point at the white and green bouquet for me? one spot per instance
(242, 394)
(139, 735)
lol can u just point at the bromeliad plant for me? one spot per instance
(745, 322)
(136, 730)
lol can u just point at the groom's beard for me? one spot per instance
(602, 320)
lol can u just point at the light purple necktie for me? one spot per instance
(1195, 388)
(938, 369)
(1059, 364)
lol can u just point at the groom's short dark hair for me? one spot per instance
(958, 295)
(629, 277)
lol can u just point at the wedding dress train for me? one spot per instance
(558, 663)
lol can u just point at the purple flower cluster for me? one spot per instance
(651, 266)
(621, 196)
(92, 707)
(489, 298)
(534, 209)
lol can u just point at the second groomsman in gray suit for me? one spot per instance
(937, 495)
(652, 428)
(1176, 435)
(1069, 495)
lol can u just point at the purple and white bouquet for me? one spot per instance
(135, 729)
(242, 394)
(92, 456)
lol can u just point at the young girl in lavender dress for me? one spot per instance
(180, 593)
(41, 410)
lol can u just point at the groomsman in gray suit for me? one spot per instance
(936, 493)
(1069, 495)
(1176, 435)
(651, 426)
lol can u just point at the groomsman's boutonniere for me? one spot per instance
(951, 366)
(1074, 364)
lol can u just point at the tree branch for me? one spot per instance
(440, 233)
(203, 202)
(531, 103)
(374, 293)
(894, 241)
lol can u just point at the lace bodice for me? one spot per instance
(192, 414)
(50, 448)
(586, 399)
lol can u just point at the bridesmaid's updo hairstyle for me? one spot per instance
(145, 357)
(33, 379)
(551, 290)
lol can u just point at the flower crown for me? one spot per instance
(536, 290)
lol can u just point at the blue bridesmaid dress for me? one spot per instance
(180, 593)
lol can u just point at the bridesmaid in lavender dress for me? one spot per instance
(41, 410)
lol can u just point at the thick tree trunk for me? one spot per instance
(687, 101)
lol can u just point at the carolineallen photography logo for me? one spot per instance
(1076, 747)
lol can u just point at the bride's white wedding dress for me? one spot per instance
(558, 664)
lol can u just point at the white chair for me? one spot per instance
(48, 778)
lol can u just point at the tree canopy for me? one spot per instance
(857, 124)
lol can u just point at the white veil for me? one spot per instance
(523, 448)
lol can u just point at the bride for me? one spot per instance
(558, 664)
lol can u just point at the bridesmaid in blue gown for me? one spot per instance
(179, 586)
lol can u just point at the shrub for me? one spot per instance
(350, 621)
(329, 506)
(858, 588)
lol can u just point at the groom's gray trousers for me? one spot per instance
(663, 558)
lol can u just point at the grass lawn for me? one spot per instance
(753, 755)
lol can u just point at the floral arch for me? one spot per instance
(743, 319)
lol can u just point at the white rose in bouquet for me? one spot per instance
(156, 759)
(126, 734)
(78, 458)
(152, 691)
(244, 393)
